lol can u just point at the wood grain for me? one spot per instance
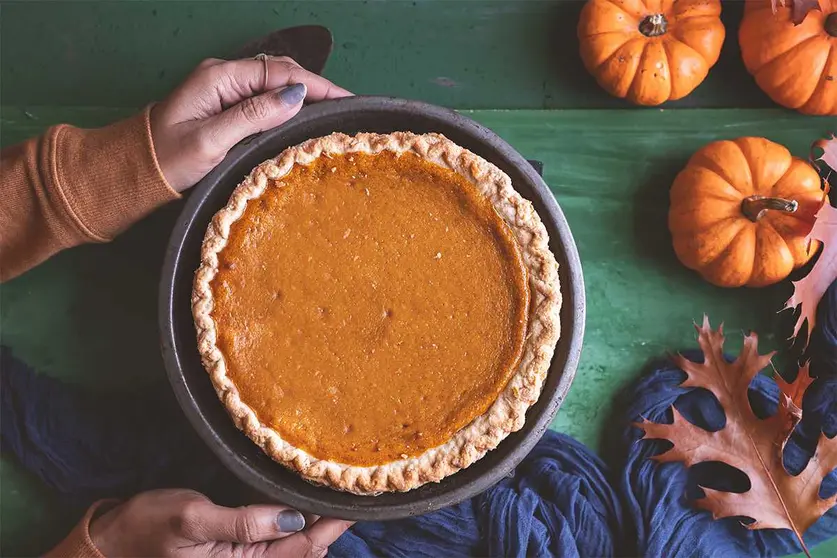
(458, 53)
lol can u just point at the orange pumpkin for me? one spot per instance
(650, 51)
(741, 211)
(796, 65)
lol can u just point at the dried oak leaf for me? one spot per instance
(808, 291)
(829, 153)
(776, 499)
(790, 409)
(800, 8)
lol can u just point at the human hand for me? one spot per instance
(221, 103)
(186, 524)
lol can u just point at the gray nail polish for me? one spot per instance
(290, 521)
(293, 94)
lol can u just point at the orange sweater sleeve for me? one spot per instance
(68, 187)
(78, 543)
(72, 186)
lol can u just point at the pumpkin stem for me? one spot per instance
(653, 25)
(831, 24)
(756, 207)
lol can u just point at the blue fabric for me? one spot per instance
(93, 446)
(653, 494)
(561, 501)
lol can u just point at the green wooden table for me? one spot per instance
(512, 65)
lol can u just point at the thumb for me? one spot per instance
(250, 524)
(254, 115)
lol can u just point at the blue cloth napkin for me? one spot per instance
(561, 501)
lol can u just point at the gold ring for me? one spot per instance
(263, 57)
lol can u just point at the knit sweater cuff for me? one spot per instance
(107, 178)
(78, 543)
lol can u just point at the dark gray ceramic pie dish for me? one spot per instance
(191, 383)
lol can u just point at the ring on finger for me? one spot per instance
(264, 58)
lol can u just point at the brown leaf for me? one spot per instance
(790, 406)
(775, 499)
(808, 291)
(799, 9)
(829, 152)
(796, 389)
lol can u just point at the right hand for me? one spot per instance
(186, 524)
(221, 103)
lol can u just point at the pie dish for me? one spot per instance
(377, 311)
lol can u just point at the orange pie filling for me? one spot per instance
(370, 306)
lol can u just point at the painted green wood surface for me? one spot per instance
(90, 63)
(609, 169)
(458, 53)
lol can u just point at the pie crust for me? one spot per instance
(508, 412)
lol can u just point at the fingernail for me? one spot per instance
(290, 521)
(293, 94)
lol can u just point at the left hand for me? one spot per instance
(221, 103)
(186, 524)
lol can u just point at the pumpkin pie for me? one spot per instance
(377, 312)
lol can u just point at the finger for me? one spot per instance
(310, 519)
(327, 530)
(217, 84)
(250, 524)
(283, 70)
(239, 79)
(313, 541)
(209, 62)
(286, 59)
(319, 88)
(253, 115)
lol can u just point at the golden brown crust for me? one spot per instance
(506, 414)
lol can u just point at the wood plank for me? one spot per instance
(78, 315)
(459, 53)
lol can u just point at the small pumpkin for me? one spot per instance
(650, 51)
(796, 65)
(741, 211)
